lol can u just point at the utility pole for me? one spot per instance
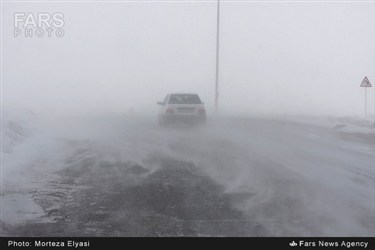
(217, 58)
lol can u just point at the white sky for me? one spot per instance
(283, 58)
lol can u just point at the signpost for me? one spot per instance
(366, 84)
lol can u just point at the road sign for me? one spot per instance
(366, 83)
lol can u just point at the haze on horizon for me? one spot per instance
(275, 58)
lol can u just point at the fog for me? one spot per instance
(114, 176)
(290, 152)
(275, 58)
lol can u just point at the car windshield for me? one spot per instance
(184, 99)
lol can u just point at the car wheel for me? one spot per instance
(203, 121)
(162, 122)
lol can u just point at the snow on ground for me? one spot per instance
(289, 177)
(19, 208)
(346, 124)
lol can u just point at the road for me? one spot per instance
(125, 176)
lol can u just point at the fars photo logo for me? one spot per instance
(41, 24)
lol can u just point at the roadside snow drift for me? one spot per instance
(124, 176)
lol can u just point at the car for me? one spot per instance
(181, 108)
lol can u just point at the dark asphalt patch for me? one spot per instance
(126, 199)
(123, 199)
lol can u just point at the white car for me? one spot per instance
(181, 108)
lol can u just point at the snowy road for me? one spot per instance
(120, 176)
